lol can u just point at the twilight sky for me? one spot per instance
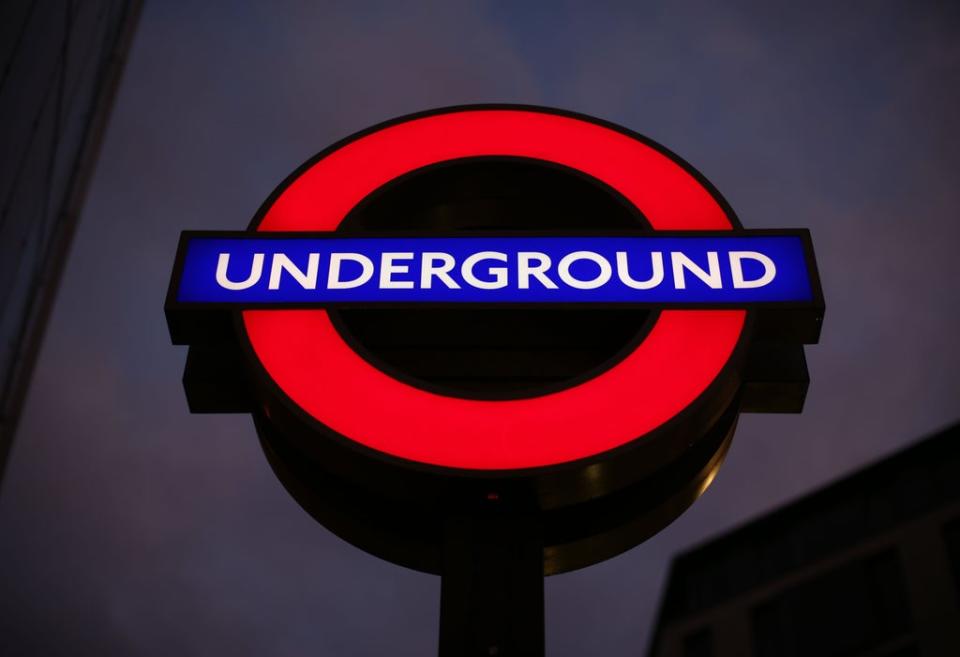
(129, 527)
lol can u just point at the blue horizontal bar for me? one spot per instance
(734, 269)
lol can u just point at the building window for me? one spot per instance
(847, 610)
(698, 643)
(951, 536)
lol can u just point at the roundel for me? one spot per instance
(683, 354)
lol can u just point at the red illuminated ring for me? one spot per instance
(307, 358)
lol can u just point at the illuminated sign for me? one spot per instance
(495, 317)
(712, 280)
(325, 269)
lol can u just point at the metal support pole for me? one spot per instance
(491, 593)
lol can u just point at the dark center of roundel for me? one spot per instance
(493, 353)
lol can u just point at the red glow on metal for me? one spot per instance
(310, 362)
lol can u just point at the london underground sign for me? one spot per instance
(495, 305)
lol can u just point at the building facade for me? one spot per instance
(866, 567)
(60, 63)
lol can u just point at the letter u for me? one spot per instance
(656, 274)
(256, 270)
